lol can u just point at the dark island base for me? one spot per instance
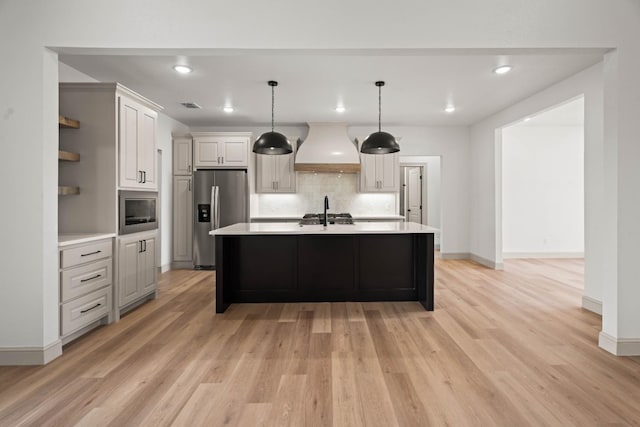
(310, 268)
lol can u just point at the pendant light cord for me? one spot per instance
(379, 108)
(273, 106)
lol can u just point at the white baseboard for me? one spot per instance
(436, 246)
(592, 304)
(510, 255)
(476, 258)
(487, 262)
(619, 346)
(164, 268)
(13, 356)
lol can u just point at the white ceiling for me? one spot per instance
(311, 85)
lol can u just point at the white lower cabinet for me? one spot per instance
(86, 287)
(137, 268)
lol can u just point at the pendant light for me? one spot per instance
(272, 142)
(379, 142)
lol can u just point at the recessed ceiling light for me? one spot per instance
(449, 109)
(182, 69)
(503, 69)
(340, 109)
(526, 119)
(228, 109)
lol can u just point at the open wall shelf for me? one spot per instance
(68, 156)
(64, 190)
(65, 122)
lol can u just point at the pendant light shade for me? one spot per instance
(380, 142)
(272, 142)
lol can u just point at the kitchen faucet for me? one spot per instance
(326, 206)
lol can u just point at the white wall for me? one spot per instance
(28, 299)
(67, 74)
(542, 191)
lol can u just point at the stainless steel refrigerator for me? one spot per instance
(220, 198)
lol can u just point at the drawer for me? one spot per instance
(82, 311)
(86, 253)
(86, 278)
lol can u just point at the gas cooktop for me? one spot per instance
(332, 218)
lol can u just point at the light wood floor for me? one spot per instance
(509, 348)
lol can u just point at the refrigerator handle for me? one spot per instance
(215, 207)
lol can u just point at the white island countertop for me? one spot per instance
(256, 228)
(356, 217)
(72, 239)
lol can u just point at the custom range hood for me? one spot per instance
(328, 148)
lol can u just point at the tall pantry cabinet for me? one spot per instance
(182, 202)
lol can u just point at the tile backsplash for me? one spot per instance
(342, 192)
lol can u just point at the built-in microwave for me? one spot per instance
(138, 211)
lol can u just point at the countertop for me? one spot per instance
(355, 218)
(257, 228)
(73, 239)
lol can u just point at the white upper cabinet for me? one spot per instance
(137, 145)
(221, 149)
(275, 173)
(182, 156)
(379, 173)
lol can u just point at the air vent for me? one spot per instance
(191, 105)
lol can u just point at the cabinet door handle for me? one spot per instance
(139, 177)
(144, 174)
(91, 253)
(89, 309)
(189, 182)
(189, 168)
(91, 278)
(140, 249)
(145, 246)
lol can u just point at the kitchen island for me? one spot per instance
(287, 262)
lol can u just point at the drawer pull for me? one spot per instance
(91, 278)
(91, 253)
(89, 309)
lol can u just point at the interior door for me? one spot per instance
(414, 194)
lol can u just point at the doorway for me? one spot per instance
(412, 188)
(543, 184)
